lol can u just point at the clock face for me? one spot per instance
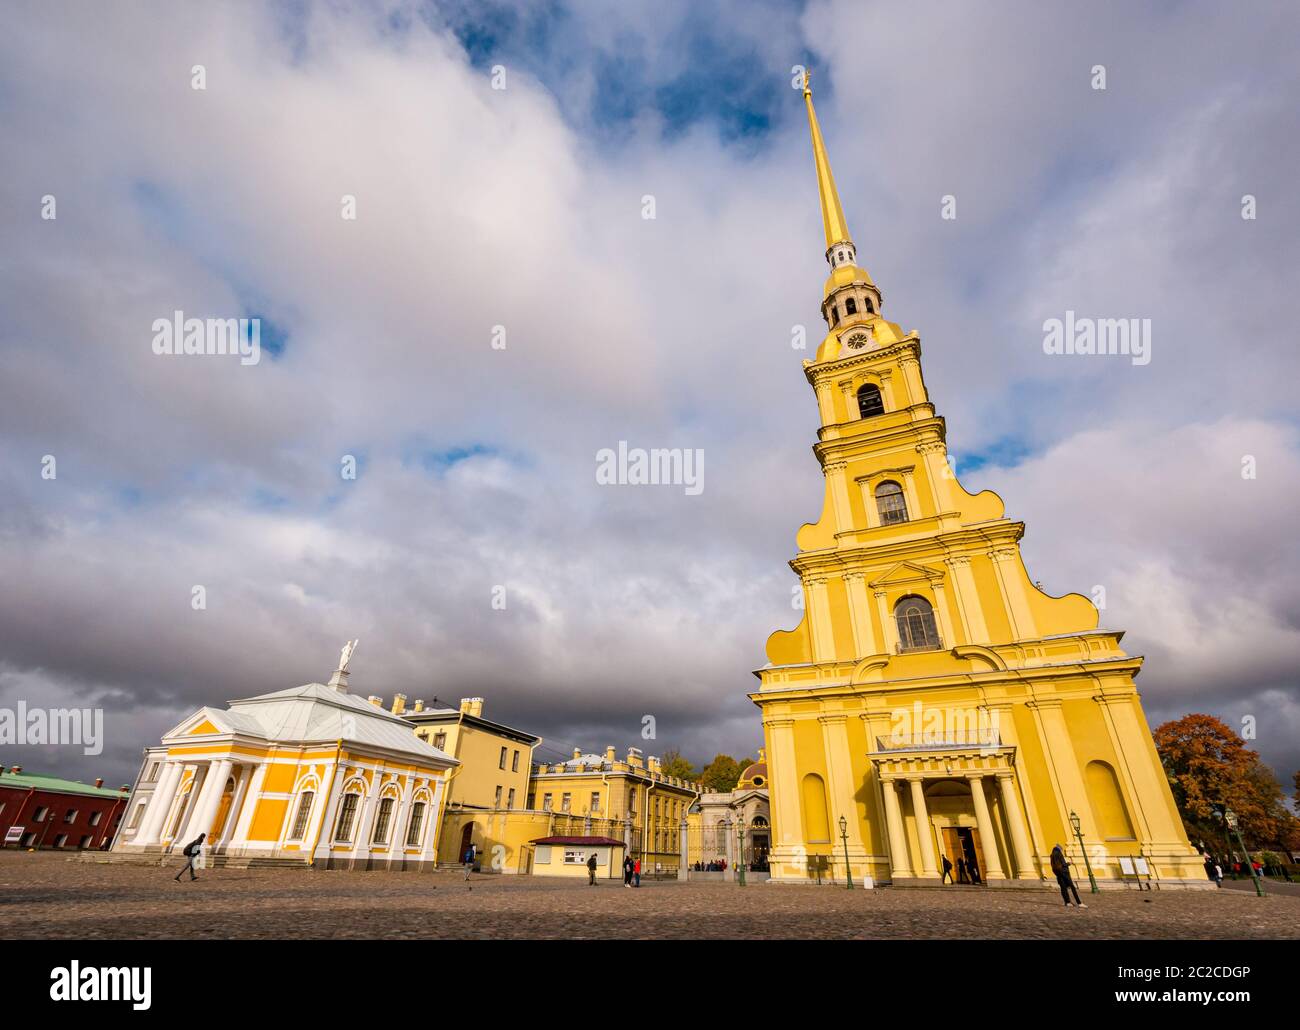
(858, 340)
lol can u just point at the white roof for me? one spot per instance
(316, 713)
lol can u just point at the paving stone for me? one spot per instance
(46, 895)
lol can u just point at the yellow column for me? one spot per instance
(783, 775)
(887, 620)
(834, 471)
(924, 832)
(864, 638)
(1016, 824)
(941, 613)
(843, 784)
(898, 856)
(825, 403)
(1063, 765)
(967, 597)
(912, 377)
(819, 620)
(931, 457)
(992, 861)
(1006, 563)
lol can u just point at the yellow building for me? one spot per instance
(632, 798)
(311, 775)
(932, 697)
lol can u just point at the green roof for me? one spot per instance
(26, 781)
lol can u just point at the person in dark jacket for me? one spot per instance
(947, 870)
(191, 852)
(1061, 869)
(627, 871)
(591, 870)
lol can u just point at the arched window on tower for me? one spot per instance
(916, 628)
(850, 306)
(835, 316)
(890, 503)
(869, 401)
(871, 308)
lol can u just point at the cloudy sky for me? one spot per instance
(522, 208)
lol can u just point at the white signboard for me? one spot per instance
(1126, 865)
(1142, 867)
(14, 834)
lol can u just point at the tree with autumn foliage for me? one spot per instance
(673, 764)
(1209, 767)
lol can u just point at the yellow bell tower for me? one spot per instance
(933, 703)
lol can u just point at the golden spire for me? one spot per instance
(837, 231)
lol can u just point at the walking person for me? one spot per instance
(947, 870)
(191, 852)
(961, 870)
(1061, 868)
(627, 870)
(468, 859)
(591, 870)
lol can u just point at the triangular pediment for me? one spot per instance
(908, 572)
(205, 722)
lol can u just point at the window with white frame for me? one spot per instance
(347, 816)
(382, 821)
(417, 824)
(300, 817)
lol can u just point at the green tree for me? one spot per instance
(721, 774)
(673, 764)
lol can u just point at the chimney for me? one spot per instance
(378, 702)
(419, 706)
(99, 782)
(577, 752)
(399, 704)
(471, 706)
(611, 756)
(634, 757)
(16, 769)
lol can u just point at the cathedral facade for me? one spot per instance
(934, 703)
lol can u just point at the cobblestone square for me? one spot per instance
(51, 896)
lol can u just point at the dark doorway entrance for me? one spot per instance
(962, 846)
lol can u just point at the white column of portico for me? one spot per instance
(929, 863)
(1016, 824)
(255, 777)
(899, 859)
(160, 803)
(214, 786)
(992, 862)
(191, 803)
(236, 805)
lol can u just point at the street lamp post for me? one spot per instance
(1230, 817)
(740, 850)
(844, 836)
(1077, 823)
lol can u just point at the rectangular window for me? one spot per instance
(382, 820)
(300, 817)
(595, 801)
(440, 741)
(153, 772)
(84, 842)
(546, 802)
(70, 816)
(95, 817)
(497, 801)
(514, 762)
(39, 815)
(572, 856)
(60, 840)
(510, 798)
(532, 800)
(417, 824)
(566, 801)
(501, 763)
(137, 815)
(343, 831)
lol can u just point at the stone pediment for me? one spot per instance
(907, 572)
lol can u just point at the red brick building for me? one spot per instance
(47, 812)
